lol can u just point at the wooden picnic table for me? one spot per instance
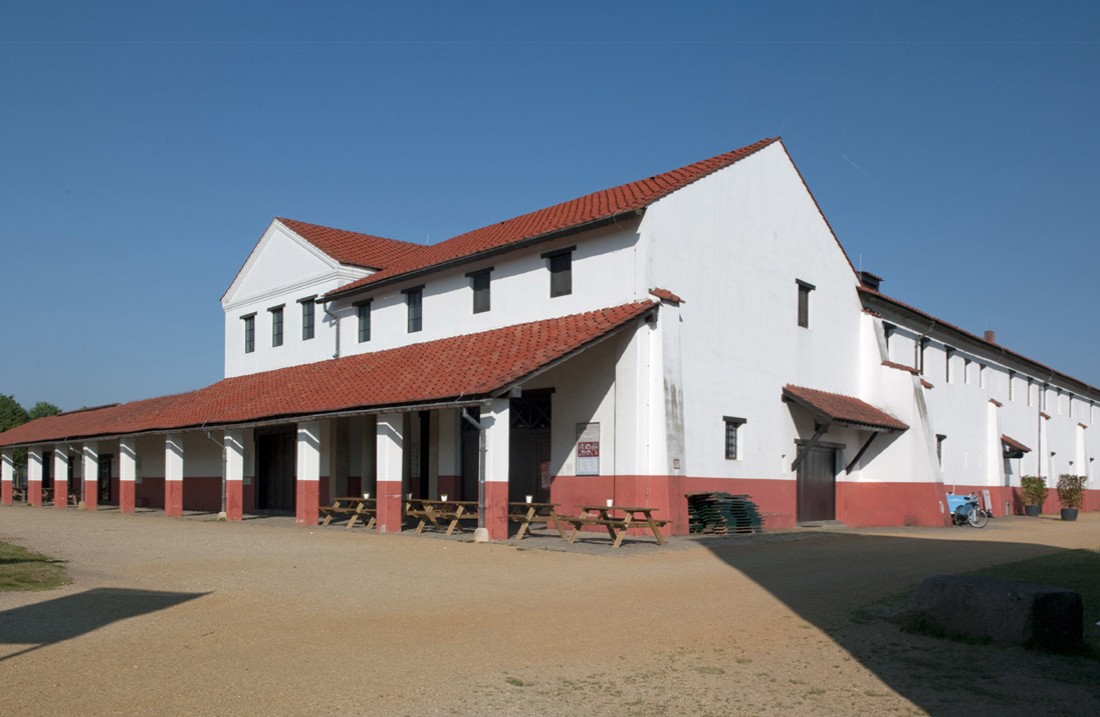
(354, 507)
(527, 514)
(440, 513)
(632, 517)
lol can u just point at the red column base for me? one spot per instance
(173, 498)
(5, 492)
(390, 506)
(496, 510)
(91, 494)
(60, 495)
(126, 491)
(234, 500)
(307, 503)
(34, 492)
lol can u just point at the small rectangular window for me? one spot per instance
(888, 331)
(362, 312)
(479, 282)
(949, 353)
(804, 290)
(560, 263)
(309, 312)
(276, 326)
(1011, 388)
(249, 333)
(940, 438)
(414, 300)
(733, 428)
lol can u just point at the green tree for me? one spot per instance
(11, 413)
(42, 409)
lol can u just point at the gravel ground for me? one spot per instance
(192, 616)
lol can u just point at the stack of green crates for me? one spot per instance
(723, 514)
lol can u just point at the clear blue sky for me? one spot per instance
(145, 146)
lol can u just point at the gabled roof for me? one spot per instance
(464, 368)
(365, 250)
(574, 214)
(845, 410)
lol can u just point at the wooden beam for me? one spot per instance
(870, 440)
(821, 428)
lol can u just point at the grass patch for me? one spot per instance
(23, 570)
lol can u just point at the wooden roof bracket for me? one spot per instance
(867, 444)
(804, 450)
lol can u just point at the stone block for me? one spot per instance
(999, 611)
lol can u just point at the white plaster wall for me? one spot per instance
(604, 275)
(732, 245)
(282, 269)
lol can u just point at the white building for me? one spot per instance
(355, 363)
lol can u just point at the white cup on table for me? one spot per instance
(610, 502)
(529, 498)
(443, 496)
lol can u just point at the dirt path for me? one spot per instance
(262, 618)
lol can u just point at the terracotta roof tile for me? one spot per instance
(839, 408)
(1013, 443)
(593, 207)
(353, 248)
(666, 295)
(469, 366)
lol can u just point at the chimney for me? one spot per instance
(991, 336)
(870, 280)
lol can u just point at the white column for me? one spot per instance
(90, 471)
(173, 474)
(390, 442)
(234, 474)
(497, 423)
(60, 476)
(7, 474)
(307, 484)
(127, 473)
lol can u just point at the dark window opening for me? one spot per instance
(804, 290)
(276, 326)
(414, 299)
(362, 312)
(733, 427)
(561, 271)
(309, 311)
(479, 282)
(249, 333)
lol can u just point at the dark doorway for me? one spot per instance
(529, 447)
(470, 460)
(422, 484)
(276, 453)
(817, 485)
(103, 478)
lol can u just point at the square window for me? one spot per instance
(733, 428)
(414, 300)
(276, 326)
(560, 263)
(479, 282)
(309, 312)
(804, 290)
(249, 333)
(362, 313)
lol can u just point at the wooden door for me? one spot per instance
(817, 485)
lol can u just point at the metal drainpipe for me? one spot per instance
(335, 320)
(480, 465)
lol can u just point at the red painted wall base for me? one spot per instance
(126, 494)
(496, 510)
(390, 506)
(91, 494)
(173, 498)
(6, 493)
(307, 502)
(34, 492)
(234, 500)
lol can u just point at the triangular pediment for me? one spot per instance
(280, 259)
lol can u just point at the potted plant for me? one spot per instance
(1071, 493)
(1033, 491)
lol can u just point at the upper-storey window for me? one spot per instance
(888, 331)
(560, 262)
(249, 333)
(414, 300)
(479, 282)
(733, 428)
(804, 289)
(309, 313)
(362, 312)
(276, 325)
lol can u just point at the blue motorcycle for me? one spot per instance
(965, 509)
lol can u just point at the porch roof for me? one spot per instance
(456, 369)
(841, 409)
(1015, 445)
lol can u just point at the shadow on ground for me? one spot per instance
(52, 621)
(850, 586)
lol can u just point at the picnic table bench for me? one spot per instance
(354, 507)
(528, 514)
(440, 513)
(603, 515)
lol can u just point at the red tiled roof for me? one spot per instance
(839, 408)
(459, 367)
(1013, 443)
(353, 248)
(574, 213)
(666, 295)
